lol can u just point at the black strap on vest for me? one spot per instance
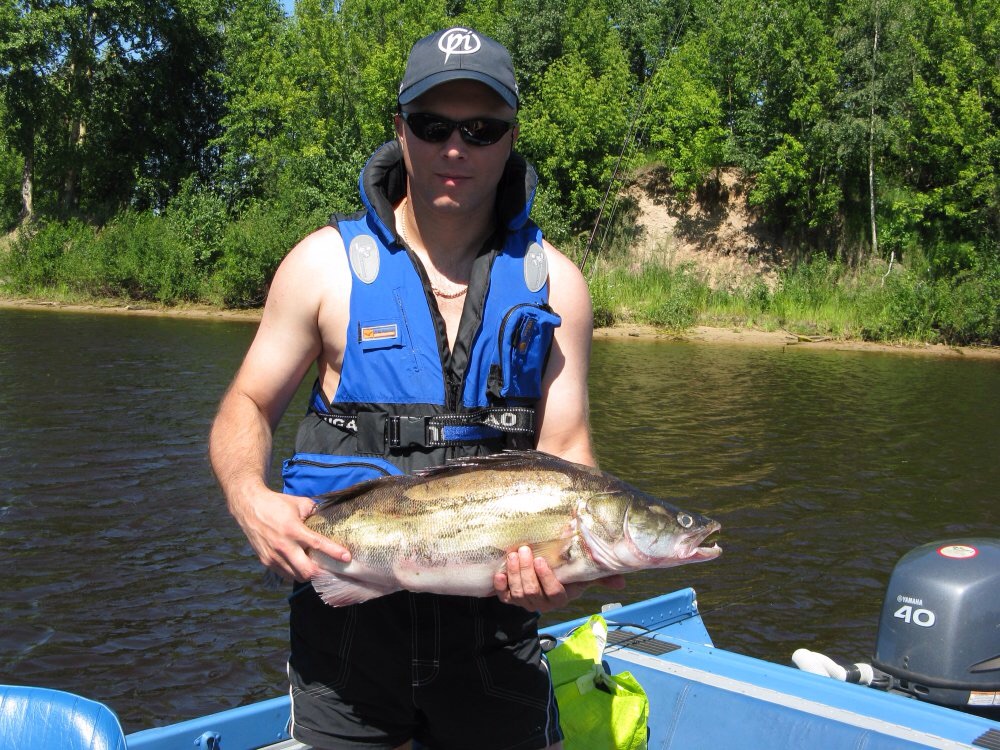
(378, 432)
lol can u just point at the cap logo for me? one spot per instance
(458, 41)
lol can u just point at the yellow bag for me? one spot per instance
(597, 711)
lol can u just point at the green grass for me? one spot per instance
(820, 298)
(142, 257)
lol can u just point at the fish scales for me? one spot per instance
(449, 529)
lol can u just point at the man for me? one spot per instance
(442, 325)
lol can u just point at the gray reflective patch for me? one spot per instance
(364, 258)
(536, 267)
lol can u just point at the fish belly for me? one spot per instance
(467, 579)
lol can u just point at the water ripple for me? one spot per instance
(129, 583)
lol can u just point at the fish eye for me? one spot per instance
(685, 520)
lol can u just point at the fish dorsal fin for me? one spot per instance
(337, 497)
(503, 459)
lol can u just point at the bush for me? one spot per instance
(905, 307)
(200, 218)
(36, 257)
(971, 310)
(252, 249)
(141, 256)
(676, 298)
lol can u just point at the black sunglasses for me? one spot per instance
(479, 131)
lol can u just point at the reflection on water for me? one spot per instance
(128, 582)
(824, 467)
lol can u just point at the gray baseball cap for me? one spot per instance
(458, 53)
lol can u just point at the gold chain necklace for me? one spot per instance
(406, 239)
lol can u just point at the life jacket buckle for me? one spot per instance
(407, 432)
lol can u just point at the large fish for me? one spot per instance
(448, 529)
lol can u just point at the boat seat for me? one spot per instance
(38, 719)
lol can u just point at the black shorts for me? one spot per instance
(447, 671)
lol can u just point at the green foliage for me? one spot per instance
(109, 104)
(252, 249)
(141, 257)
(11, 166)
(670, 299)
(177, 152)
(255, 115)
(683, 114)
(901, 219)
(819, 297)
(35, 258)
(676, 300)
(138, 256)
(573, 129)
(199, 217)
(971, 308)
(551, 212)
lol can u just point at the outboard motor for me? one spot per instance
(939, 632)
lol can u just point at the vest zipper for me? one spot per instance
(347, 464)
(503, 327)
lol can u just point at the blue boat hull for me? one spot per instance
(700, 697)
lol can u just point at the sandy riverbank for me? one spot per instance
(698, 334)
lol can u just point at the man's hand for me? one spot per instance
(529, 582)
(273, 523)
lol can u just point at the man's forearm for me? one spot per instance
(239, 446)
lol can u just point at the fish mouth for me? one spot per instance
(688, 548)
(693, 549)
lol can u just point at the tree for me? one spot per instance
(255, 114)
(683, 116)
(952, 142)
(102, 94)
(572, 129)
(26, 36)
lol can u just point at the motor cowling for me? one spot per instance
(939, 632)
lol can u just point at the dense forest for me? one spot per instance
(176, 150)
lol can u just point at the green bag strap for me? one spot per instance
(579, 652)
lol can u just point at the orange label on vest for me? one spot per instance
(375, 333)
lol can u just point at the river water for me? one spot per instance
(125, 580)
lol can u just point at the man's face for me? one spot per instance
(453, 175)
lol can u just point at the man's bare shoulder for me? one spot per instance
(322, 249)
(313, 270)
(568, 286)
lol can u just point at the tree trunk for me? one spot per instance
(27, 185)
(71, 198)
(871, 140)
(81, 72)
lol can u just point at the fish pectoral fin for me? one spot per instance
(339, 592)
(554, 551)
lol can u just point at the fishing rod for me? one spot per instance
(630, 141)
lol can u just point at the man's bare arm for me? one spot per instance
(288, 340)
(564, 409)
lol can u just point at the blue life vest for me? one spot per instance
(404, 401)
